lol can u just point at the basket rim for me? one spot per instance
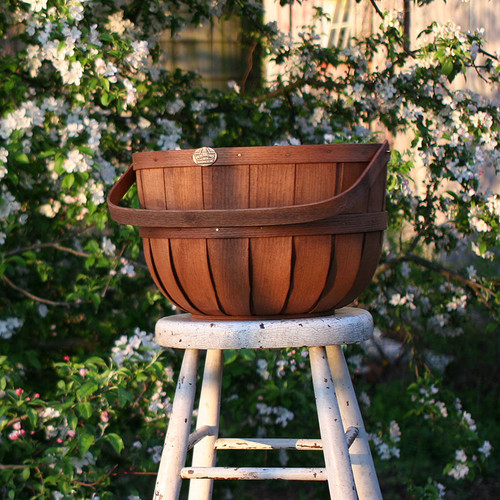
(268, 216)
(261, 155)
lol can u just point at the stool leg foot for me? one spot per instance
(365, 476)
(208, 415)
(337, 461)
(173, 458)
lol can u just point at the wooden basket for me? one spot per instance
(277, 231)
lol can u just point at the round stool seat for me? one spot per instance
(347, 326)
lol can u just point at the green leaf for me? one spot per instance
(248, 354)
(116, 442)
(86, 390)
(85, 441)
(68, 181)
(25, 474)
(85, 410)
(230, 355)
(72, 419)
(33, 417)
(22, 158)
(447, 67)
(124, 396)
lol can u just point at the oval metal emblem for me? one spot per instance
(205, 156)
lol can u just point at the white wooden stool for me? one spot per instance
(349, 466)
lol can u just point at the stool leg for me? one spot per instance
(208, 415)
(173, 457)
(337, 461)
(365, 476)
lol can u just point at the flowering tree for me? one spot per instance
(84, 390)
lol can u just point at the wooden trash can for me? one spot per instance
(271, 231)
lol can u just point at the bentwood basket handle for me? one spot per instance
(293, 214)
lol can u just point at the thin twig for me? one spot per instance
(89, 485)
(377, 9)
(35, 297)
(57, 246)
(249, 65)
(480, 290)
(117, 261)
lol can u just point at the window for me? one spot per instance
(341, 26)
(216, 51)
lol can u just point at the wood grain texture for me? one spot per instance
(183, 188)
(340, 224)
(278, 215)
(271, 258)
(372, 242)
(263, 232)
(311, 256)
(230, 267)
(271, 264)
(192, 269)
(269, 155)
(345, 264)
(226, 188)
(160, 266)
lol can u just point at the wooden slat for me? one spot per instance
(271, 258)
(311, 255)
(146, 244)
(229, 263)
(268, 444)
(190, 263)
(272, 186)
(183, 188)
(315, 182)
(346, 260)
(153, 189)
(341, 224)
(310, 271)
(254, 473)
(226, 187)
(268, 155)
(159, 262)
(372, 244)
(271, 264)
(351, 173)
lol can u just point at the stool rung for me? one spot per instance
(255, 473)
(274, 443)
(267, 444)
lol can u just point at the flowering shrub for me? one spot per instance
(84, 390)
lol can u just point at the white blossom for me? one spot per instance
(76, 162)
(459, 471)
(9, 326)
(51, 209)
(117, 24)
(85, 461)
(108, 247)
(8, 204)
(485, 449)
(36, 5)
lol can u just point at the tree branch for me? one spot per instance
(377, 9)
(89, 485)
(48, 245)
(480, 290)
(35, 297)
